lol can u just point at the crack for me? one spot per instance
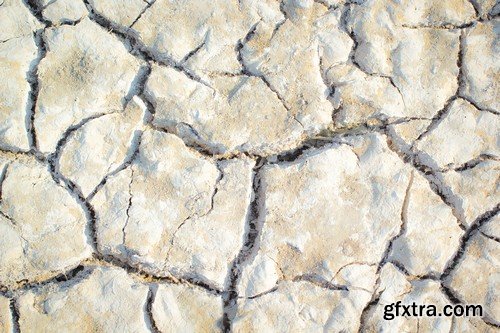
(319, 282)
(474, 104)
(136, 47)
(450, 294)
(239, 46)
(67, 275)
(412, 156)
(399, 266)
(20, 154)
(442, 26)
(196, 143)
(490, 16)
(150, 103)
(76, 193)
(148, 5)
(195, 140)
(3, 176)
(216, 189)
(50, 2)
(466, 237)
(53, 158)
(491, 322)
(324, 139)
(322, 72)
(270, 291)
(441, 114)
(453, 326)
(352, 54)
(71, 23)
(216, 74)
(249, 248)
(124, 234)
(430, 168)
(81, 270)
(70, 186)
(148, 309)
(18, 229)
(437, 119)
(14, 311)
(36, 8)
(448, 198)
(145, 277)
(475, 162)
(455, 299)
(402, 229)
(245, 71)
(329, 87)
(375, 299)
(11, 220)
(475, 6)
(194, 51)
(33, 81)
(282, 100)
(137, 89)
(132, 153)
(493, 238)
(280, 23)
(460, 60)
(138, 84)
(362, 263)
(198, 146)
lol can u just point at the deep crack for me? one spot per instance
(250, 246)
(32, 78)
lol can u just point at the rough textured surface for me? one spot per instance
(252, 115)
(480, 263)
(99, 300)
(250, 165)
(421, 63)
(394, 286)
(337, 193)
(302, 307)
(476, 188)
(71, 85)
(183, 308)
(481, 77)
(30, 220)
(16, 55)
(16, 20)
(197, 222)
(63, 11)
(100, 146)
(429, 234)
(463, 135)
(123, 12)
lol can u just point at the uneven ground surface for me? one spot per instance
(248, 166)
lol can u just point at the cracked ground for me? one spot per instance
(248, 166)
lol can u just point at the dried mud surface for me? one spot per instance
(243, 166)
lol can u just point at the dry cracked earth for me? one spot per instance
(248, 166)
